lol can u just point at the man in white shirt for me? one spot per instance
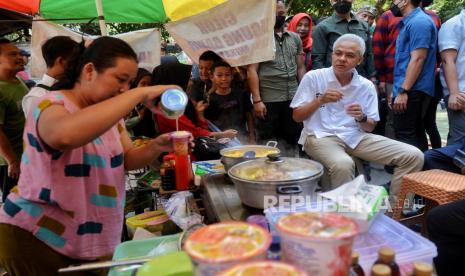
(451, 42)
(56, 51)
(338, 108)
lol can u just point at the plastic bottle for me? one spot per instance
(386, 256)
(380, 270)
(422, 269)
(355, 268)
(167, 174)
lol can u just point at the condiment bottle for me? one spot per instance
(386, 256)
(422, 269)
(167, 173)
(380, 270)
(355, 267)
(183, 168)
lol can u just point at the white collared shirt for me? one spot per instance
(452, 36)
(36, 92)
(331, 119)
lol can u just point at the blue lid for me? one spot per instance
(174, 99)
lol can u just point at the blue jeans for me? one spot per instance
(442, 158)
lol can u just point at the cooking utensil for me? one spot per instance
(235, 155)
(263, 179)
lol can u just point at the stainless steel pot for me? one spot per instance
(294, 177)
(230, 161)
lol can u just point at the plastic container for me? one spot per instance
(150, 221)
(409, 246)
(319, 244)
(264, 268)
(217, 247)
(183, 168)
(173, 103)
(137, 249)
(171, 264)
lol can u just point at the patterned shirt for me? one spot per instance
(71, 200)
(384, 43)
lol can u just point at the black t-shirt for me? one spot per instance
(198, 90)
(229, 111)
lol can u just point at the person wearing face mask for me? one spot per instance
(384, 45)
(342, 21)
(273, 85)
(414, 72)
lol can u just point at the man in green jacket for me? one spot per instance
(343, 21)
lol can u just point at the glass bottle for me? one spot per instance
(380, 270)
(422, 269)
(355, 267)
(386, 256)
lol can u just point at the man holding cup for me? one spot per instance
(339, 108)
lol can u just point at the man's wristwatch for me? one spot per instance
(403, 91)
(363, 120)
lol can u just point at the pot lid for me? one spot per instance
(276, 168)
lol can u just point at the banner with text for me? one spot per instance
(240, 31)
(146, 44)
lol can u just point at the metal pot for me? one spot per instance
(245, 153)
(274, 177)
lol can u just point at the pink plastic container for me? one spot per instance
(264, 268)
(319, 244)
(180, 141)
(217, 247)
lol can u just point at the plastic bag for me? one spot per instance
(178, 211)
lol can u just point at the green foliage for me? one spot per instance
(448, 8)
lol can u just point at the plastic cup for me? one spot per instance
(263, 268)
(180, 140)
(258, 220)
(319, 244)
(218, 247)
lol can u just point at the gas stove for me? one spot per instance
(221, 200)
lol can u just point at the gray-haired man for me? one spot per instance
(339, 108)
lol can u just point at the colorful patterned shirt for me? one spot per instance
(384, 43)
(71, 200)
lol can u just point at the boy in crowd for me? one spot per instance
(227, 107)
(55, 52)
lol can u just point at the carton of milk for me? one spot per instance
(360, 201)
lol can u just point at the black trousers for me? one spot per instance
(446, 227)
(409, 126)
(279, 125)
(430, 123)
(7, 183)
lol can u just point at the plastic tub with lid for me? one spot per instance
(217, 247)
(263, 268)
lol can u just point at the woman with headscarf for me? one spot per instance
(301, 24)
(193, 119)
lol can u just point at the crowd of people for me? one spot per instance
(354, 86)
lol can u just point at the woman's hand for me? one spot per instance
(149, 93)
(163, 143)
(230, 133)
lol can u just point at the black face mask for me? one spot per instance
(395, 10)
(342, 7)
(280, 19)
(426, 3)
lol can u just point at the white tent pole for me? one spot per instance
(101, 20)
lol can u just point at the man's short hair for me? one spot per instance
(351, 38)
(3, 41)
(415, 3)
(210, 56)
(220, 63)
(58, 46)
